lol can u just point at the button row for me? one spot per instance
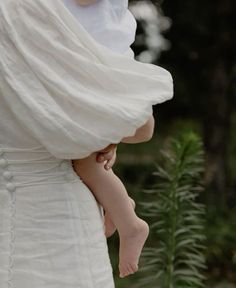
(7, 175)
(10, 187)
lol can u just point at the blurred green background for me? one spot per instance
(195, 41)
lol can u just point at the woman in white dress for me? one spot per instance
(56, 82)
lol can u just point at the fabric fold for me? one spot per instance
(73, 95)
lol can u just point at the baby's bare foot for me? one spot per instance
(110, 227)
(130, 248)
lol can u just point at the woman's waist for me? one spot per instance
(24, 167)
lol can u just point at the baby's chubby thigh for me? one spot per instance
(90, 170)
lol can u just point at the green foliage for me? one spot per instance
(177, 259)
(221, 252)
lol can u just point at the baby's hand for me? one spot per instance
(108, 154)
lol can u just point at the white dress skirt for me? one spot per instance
(63, 96)
(51, 227)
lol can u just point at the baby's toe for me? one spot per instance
(130, 269)
(134, 267)
(122, 271)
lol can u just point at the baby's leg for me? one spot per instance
(111, 193)
(110, 227)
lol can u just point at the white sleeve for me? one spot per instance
(74, 95)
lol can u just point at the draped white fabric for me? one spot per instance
(72, 94)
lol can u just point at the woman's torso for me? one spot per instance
(24, 161)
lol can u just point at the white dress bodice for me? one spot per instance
(109, 22)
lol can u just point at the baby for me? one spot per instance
(111, 23)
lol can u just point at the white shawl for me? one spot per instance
(73, 94)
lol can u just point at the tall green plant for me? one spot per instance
(177, 259)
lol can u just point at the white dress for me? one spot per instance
(62, 96)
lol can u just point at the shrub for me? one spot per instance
(177, 260)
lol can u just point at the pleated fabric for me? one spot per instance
(73, 94)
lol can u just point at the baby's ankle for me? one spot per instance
(138, 226)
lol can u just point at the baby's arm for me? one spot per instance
(108, 189)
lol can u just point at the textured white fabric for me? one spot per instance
(108, 21)
(58, 81)
(51, 226)
(62, 96)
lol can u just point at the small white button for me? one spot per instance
(7, 175)
(11, 187)
(64, 165)
(70, 176)
(3, 163)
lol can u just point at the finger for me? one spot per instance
(105, 156)
(100, 157)
(110, 162)
(108, 156)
